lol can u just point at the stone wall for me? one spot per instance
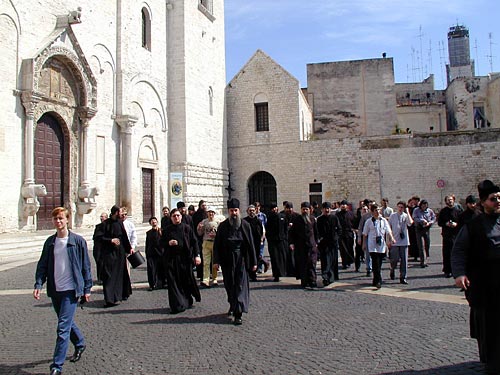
(395, 167)
(352, 98)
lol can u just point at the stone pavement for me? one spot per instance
(346, 328)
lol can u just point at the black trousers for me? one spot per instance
(447, 247)
(377, 259)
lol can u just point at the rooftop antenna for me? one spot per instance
(429, 55)
(490, 56)
(421, 65)
(477, 59)
(413, 68)
(442, 61)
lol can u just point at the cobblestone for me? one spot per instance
(348, 328)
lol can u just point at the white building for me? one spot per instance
(100, 105)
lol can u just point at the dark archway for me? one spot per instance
(262, 188)
(49, 167)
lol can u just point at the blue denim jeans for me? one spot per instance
(65, 304)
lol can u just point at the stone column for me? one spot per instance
(86, 193)
(30, 191)
(85, 114)
(126, 124)
(29, 100)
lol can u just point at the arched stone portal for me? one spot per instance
(262, 188)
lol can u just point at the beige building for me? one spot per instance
(420, 108)
(354, 151)
(116, 102)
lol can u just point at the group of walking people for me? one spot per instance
(471, 254)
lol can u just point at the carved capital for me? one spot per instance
(126, 123)
(30, 100)
(86, 114)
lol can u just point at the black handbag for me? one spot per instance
(136, 259)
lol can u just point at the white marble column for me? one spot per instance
(29, 101)
(126, 124)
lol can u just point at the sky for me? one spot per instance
(295, 33)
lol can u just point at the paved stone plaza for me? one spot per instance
(346, 328)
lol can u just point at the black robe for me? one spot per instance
(346, 240)
(96, 252)
(304, 237)
(114, 273)
(178, 261)
(154, 255)
(276, 242)
(257, 232)
(290, 261)
(235, 263)
(476, 254)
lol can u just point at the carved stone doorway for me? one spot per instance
(49, 167)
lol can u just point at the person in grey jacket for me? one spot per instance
(65, 266)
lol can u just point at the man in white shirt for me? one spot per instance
(375, 231)
(65, 265)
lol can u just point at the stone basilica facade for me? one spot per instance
(110, 102)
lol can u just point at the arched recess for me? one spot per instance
(262, 188)
(51, 165)
(148, 162)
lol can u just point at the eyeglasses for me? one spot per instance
(495, 198)
(176, 215)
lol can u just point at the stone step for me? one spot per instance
(24, 247)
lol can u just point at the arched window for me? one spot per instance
(146, 29)
(262, 188)
(211, 101)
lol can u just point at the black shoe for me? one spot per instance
(326, 283)
(237, 321)
(391, 275)
(55, 371)
(77, 354)
(277, 279)
(403, 281)
(151, 289)
(230, 313)
(109, 304)
(378, 285)
(424, 265)
(368, 273)
(448, 275)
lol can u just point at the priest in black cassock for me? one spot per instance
(234, 251)
(303, 240)
(115, 248)
(276, 234)
(475, 261)
(181, 247)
